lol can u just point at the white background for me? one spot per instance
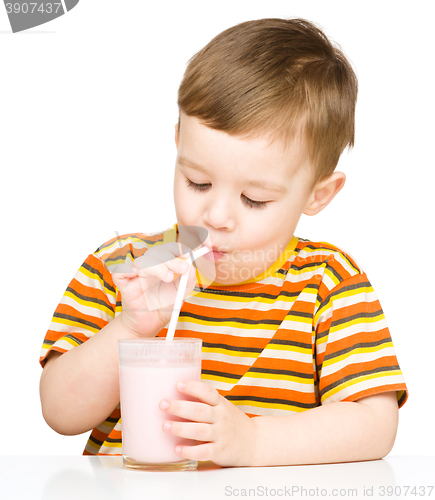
(87, 114)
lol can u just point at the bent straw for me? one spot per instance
(180, 292)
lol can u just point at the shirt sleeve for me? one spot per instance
(355, 356)
(87, 306)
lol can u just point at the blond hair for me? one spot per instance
(276, 77)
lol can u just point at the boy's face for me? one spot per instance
(251, 223)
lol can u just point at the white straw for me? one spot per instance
(181, 290)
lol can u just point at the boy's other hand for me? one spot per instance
(225, 433)
(148, 289)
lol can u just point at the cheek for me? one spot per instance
(179, 190)
(184, 206)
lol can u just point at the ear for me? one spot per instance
(177, 128)
(324, 192)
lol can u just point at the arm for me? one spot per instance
(335, 432)
(80, 388)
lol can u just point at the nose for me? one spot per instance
(219, 213)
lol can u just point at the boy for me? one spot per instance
(298, 363)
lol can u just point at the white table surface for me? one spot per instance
(84, 477)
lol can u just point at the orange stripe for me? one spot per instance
(377, 390)
(357, 368)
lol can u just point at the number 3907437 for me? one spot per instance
(32, 7)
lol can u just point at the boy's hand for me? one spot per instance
(226, 434)
(148, 288)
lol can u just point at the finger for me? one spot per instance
(191, 281)
(162, 254)
(162, 270)
(159, 271)
(120, 272)
(174, 248)
(178, 266)
(201, 452)
(200, 390)
(190, 430)
(190, 410)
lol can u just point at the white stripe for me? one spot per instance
(358, 297)
(341, 303)
(328, 281)
(365, 357)
(305, 325)
(63, 344)
(240, 303)
(344, 263)
(349, 330)
(339, 257)
(87, 310)
(233, 331)
(104, 253)
(287, 354)
(219, 385)
(296, 276)
(85, 280)
(110, 450)
(273, 383)
(363, 385)
(226, 358)
(66, 328)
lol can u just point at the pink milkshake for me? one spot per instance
(149, 370)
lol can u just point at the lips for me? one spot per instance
(213, 255)
(215, 249)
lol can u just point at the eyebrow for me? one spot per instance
(256, 183)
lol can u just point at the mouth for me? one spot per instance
(214, 254)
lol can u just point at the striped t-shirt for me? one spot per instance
(306, 332)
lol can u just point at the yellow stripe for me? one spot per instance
(107, 250)
(335, 251)
(63, 321)
(120, 260)
(276, 376)
(296, 319)
(233, 324)
(93, 446)
(357, 321)
(170, 235)
(344, 294)
(93, 276)
(231, 353)
(287, 348)
(111, 445)
(218, 378)
(359, 350)
(358, 380)
(286, 301)
(332, 276)
(87, 303)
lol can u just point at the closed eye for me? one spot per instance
(247, 201)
